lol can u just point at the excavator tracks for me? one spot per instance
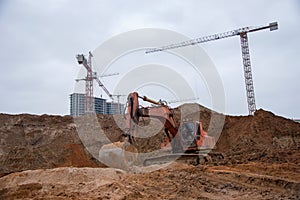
(189, 158)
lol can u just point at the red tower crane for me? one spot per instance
(242, 32)
(90, 77)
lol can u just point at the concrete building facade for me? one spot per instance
(113, 108)
(101, 106)
(77, 104)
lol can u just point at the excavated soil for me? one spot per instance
(43, 157)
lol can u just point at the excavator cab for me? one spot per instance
(193, 137)
(188, 132)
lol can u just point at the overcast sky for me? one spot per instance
(39, 41)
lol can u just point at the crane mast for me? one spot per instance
(242, 32)
(89, 96)
(248, 74)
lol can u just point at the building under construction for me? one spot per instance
(101, 106)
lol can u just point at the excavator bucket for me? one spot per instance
(121, 155)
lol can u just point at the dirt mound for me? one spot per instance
(177, 181)
(35, 142)
(61, 183)
(262, 137)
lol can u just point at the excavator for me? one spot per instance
(187, 141)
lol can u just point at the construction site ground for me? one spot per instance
(43, 157)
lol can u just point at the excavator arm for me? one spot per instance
(161, 112)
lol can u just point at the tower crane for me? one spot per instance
(118, 98)
(90, 77)
(242, 32)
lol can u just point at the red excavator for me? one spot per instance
(187, 142)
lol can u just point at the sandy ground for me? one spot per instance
(177, 181)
